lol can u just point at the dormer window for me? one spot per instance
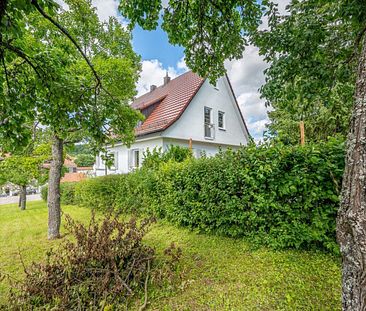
(221, 120)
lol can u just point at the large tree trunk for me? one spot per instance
(54, 207)
(351, 221)
(22, 197)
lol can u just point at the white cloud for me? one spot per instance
(247, 76)
(182, 66)
(153, 73)
(106, 8)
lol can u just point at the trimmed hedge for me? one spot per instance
(275, 195)
(67, 193)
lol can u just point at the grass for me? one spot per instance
(218, 273)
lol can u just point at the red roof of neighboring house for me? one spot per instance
(73, 177)
(69, 162)
(171, 99)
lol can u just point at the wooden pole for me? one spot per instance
(302, 133)
(190, 144)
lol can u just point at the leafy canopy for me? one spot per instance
(312, 52)
(60, 90)
(211, 31)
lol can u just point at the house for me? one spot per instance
(73, 173)
(185, 111)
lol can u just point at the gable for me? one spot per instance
(164, 105)
(190, 124)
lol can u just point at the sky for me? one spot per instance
(158, 56)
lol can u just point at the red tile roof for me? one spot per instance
(73, 177)
(171, 99)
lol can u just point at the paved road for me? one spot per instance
(15, 199)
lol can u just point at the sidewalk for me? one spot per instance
(15, 199)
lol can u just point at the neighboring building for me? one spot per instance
(73, 177)
(74, 173)
(187, 108)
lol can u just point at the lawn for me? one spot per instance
(219, 273)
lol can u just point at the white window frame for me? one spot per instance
(223, 128)
(210, 125)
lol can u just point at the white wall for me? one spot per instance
(123, 155)
(209, 148)
(191, 122)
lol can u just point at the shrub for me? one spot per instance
(85, 160)
(153, 159)
(275, 195)
(103, 267)
(67, 193)
(44, 193)
(99, 193)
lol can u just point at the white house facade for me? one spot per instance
(185, 111)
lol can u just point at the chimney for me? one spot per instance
(166, 79)
(152, 87)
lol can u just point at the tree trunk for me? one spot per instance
(54, 207)
(351, 220)
(23, 197)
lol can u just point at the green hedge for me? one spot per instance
(67, 193)
(275, 195)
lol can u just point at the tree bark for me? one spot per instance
(54, 207)
(23, 197)
(351, 220)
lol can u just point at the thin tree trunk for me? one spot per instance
(23, 197)
(351, 221)
(54, 207)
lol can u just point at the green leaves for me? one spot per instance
(275, 195)
(210, 31)
(312, 72)
(61, 91)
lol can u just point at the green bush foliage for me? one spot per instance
(99, 193)
(153, 159)
(67, 193)
(275, 195)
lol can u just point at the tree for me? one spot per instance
(318, 55)
(206, 27)
(74, 102)
(211, 31)
(22, 170)
(312, 75)
(85, 160)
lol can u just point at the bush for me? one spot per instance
(85, 160)
(275, 195)
(67, 193)
(44, 193)
(99, 193)
(153, 159)
(103, 267)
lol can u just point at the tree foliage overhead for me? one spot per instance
(58, 88)
(211, 31)
(313, 55)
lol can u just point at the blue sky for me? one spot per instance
(155, 45)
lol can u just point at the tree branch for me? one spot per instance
(67, 34)
(21, 54)
(5, 70)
